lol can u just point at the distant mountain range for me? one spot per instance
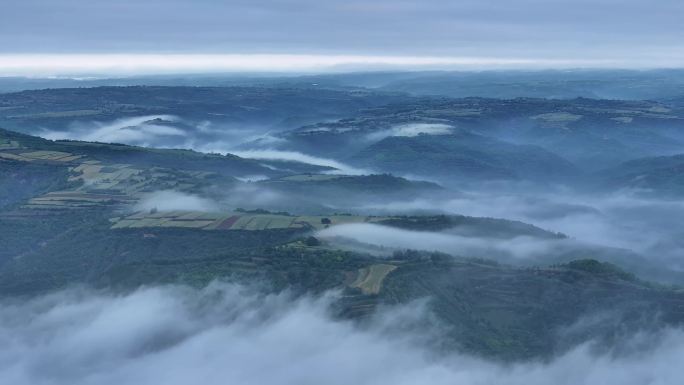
(520, 138)
(431, 137)
(551, 84)
(279, 107)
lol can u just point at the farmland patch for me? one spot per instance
(369, 279)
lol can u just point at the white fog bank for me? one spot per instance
(228, 334)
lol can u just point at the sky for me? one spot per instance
(337, 34)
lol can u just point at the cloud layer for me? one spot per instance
(410, 130)
(520, 247)
(135, 131)
(230, 334)
(621, 219)
(293, 156)
(628, 32)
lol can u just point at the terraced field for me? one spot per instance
(15, 153)
(6, 144)
(235, 221)
(93, 183)
(369, 279)
(96, 184)
(76, 200)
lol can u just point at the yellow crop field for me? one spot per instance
(369, 279)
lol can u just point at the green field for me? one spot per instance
(92, 183)
(8, 144)
(236, 220)
(47, 156)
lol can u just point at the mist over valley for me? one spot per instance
(341, 192)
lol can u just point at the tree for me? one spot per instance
(312, 241)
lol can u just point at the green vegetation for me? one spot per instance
(662, 175)
(322, 184)
(500, 138)
(513, 313)
(483, 227)
(20, 181)
(464, 155)
(287, 106)
(243, 220)
(494, 310)
(66, 214)
(602, 269)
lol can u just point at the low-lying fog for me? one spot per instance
(294, 156)
(390, 238)
(628, 220)
(164, 131)
(638, 233)
(648, 226)
(227, 333)
(231, 334)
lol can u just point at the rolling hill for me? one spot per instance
(592, 134)
(657, 175)
(464, 155)
(274, 106)
(72, 218)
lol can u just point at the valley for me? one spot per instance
(121, 216)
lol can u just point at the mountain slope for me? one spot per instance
(663, 175)
(464, 155)
(14, 144)
(56, 109)
(77, 222)
(590, 133)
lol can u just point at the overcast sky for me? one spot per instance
(626, 33)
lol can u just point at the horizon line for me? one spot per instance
(130, 64)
